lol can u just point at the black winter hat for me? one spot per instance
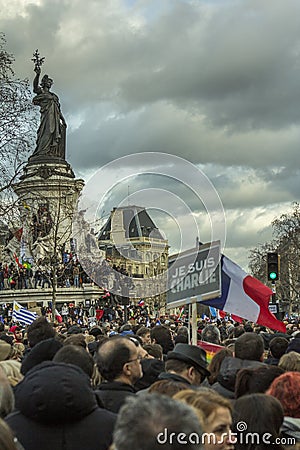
(43, 351)
(74, 329)
(96, 331)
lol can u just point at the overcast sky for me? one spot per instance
(215, 82)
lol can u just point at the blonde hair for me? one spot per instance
(89, 338)
(290, 362)
(7, 399)
(17, 351)
(204, 400)
(12, 370)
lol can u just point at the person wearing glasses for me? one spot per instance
(119, 363)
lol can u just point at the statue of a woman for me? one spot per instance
(51, 135)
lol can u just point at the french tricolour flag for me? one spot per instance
(244, 296)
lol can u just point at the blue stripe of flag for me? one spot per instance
(24, 316)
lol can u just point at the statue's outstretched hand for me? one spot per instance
(37, 69)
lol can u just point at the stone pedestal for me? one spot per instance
(48, 194)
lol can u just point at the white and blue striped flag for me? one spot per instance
(22, 315)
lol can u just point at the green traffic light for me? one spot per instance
(273, 275)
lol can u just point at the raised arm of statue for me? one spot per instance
(36, 88)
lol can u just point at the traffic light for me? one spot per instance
(273, 266)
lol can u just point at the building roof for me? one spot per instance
(136, 223)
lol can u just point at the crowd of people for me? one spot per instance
(17, 275)
(140, 384)
(69, 273)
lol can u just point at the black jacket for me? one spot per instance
(226, 379)
(56, 408)
(174, 377)
(112, 394)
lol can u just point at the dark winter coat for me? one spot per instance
(228, 371)
(112, 394)
(272, 361)
(57, 409)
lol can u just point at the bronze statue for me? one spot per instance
(51, 135)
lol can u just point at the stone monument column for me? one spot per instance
(47, 190)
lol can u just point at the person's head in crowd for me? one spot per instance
(96, 331)
(263, 416)
(74, 329)
(58, 402)
(211, 334)
(215, 364)
(294, 345)
(152, 368)
(89, 338)
(42, 351)
(160, 423)
(236, 331)
(9, 339)
(7, 399)
(290, 362)
(154, 350)
(166, 387)
(286, 389)
(253, 380)
(182, 330)
(5, 350)
(181, 339)
(77, 340)
(278, 346)
(215, 412)
(7, 440)
(249, 346)
(189, 362)
(182, 335)
(77, 355)
(106, 328)
(39, 330)
(18, 334)
(118, 360)
(144, 334)
(18, 351)
(248, 327)
(161, 335)
(260, 329)
(12, 370)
